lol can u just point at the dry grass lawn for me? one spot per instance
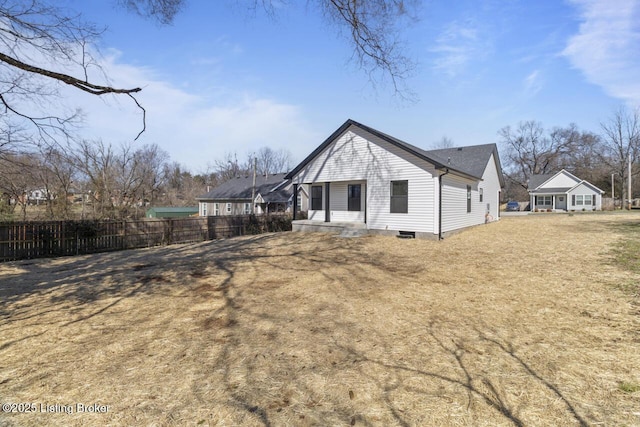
(522, 322)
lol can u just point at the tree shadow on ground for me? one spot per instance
(277, 349)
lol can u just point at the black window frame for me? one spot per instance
(316, 197)
(399, 203)
(354, 202)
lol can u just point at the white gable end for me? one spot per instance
(561, 180)
(358, 156)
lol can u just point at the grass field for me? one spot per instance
(529, 321)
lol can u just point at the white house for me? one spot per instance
(563, 191)
(361, 176)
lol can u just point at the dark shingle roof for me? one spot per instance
(537, 180)
(240, 188)
(470, 161)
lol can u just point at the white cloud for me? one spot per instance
(194, 128)
(606, 46)
(457, 46)
(532, 84)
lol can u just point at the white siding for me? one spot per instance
(454, 204)
(583, 189)
(562, 180)
(360, 156)
(491, 189)
(338, 200)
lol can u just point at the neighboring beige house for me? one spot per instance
(563, 191)
(360, 175)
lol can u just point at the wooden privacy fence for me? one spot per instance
(38, 239)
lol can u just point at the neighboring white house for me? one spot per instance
(563, 191)
(363, 176)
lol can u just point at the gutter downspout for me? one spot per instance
(440, 203)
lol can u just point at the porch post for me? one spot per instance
(327, 210)
(553, 202)
(295, 201)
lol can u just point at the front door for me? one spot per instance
(561, 202)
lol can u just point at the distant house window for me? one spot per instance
(399, 196)
(544, 201)
(216, 209)
(247, 208)
(228, 207)
(316, 198)
(468, 198)
(583, 199)
(481, 195)
(299, 202)
(353, 194)
(204, 209)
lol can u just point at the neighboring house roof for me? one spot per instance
(168, 211)
(430, 157)
(241, 189)
(537, 182)
(471, 159)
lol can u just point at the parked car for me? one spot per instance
(513, 207)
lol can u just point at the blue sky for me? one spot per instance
(222, 79)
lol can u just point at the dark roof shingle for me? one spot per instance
(240, 188)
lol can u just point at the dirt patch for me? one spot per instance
(520, 322)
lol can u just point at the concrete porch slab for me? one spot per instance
(307, 225)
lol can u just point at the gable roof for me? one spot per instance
(240, 188)
(471, 159)
(418, 152)
(537, 181)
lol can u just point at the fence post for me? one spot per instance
(124, 234)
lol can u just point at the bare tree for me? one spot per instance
(17, 181)
(42, 43)
(373, 29)
(621, 140)
(37, 39)
(530, 151)
(270, 161)
(444, 142)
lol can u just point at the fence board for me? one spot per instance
(39, 239)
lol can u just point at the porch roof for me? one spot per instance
(562, 190)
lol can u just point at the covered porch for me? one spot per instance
(548, 200)
(343, 202)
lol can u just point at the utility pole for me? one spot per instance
(629, 182)
(613, 191)
(253, 189)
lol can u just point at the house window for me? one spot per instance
(544, 201)
(468, 198)
(481, 195)
(228, 208)
(316, 198)
(247, 208)
(587, 200)
(353, 194)
(204, 209)
(216, 209)
(299, 202)
(399, 196)
(579, 200)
